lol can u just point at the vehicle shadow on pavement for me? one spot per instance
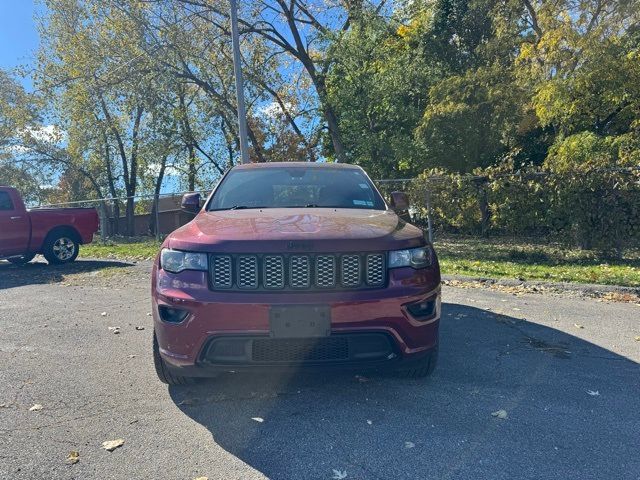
(39, 272)
(571, 411)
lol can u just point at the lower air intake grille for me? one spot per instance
(300, 349)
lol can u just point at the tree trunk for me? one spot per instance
(192, 167)
(330, 116)
(156, 193)
(115, 226)
(334, 131)
(189, 141)
(130, 216)
(132, 181)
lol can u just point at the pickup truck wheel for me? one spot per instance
(60, 247)
(164, 374)
(23, 260)
(421, 369)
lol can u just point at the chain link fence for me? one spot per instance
(591, 210)
(156, 215)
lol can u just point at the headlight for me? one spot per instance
(415, 257)
(176, 261)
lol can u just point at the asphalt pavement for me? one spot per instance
(562, 370)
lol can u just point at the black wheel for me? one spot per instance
(22, 260)
(60, 247)
(164, 374)
(420, 369)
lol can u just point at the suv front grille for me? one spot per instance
(297, 272)
(220, 269)
(273, 271)
(247, 271)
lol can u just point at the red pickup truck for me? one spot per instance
(295, 265)
(57, 233)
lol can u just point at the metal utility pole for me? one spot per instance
(237, 70)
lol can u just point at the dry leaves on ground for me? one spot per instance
(73, 457)
(500, 414)
(111, 445)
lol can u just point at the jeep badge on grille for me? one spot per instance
(299, 245)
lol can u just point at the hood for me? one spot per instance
(286, 229)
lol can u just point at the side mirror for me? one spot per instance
(399, 201)
(190, 202)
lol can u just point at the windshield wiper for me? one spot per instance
(238, 207)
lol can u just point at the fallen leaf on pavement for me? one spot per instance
(111, 445)
(35, 408)
(73, 457)
(115, 330)
(409, 444)
(593, 393)
(577, 325)
(139, 328)
(500, 414)
(103, 314)
(257, 419)
(201, 478)
(339, 475)
(638, 338)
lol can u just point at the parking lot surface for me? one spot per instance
(564, 369)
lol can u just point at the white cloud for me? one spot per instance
(273, 109)
(153, 170)
(44, 134)
(48, 133)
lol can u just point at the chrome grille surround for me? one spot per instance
(247, 272)
(297, 272)
(350, 269)
(273, 271)
(375, 269)
(221, 275)
(325, 271)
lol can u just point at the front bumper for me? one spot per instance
(230, 330)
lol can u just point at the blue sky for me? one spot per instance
(18, 36)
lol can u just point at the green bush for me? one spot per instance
(454, 201)
(587, 194)
(594, 186)
(518, 203)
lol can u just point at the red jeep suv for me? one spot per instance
(295, 265)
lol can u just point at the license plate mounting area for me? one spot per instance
(300, 321)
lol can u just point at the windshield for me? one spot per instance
(296, 187)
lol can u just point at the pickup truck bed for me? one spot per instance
(56, 233)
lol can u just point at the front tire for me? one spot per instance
(22, 260)
(61, 247)
(421, 369)
(164, 374)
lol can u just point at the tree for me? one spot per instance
(377, 86)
